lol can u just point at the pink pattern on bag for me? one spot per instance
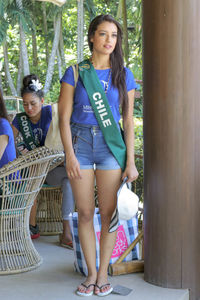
(121, 242)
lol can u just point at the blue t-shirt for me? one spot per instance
(41, 127)
(82, 109)
(9, 153)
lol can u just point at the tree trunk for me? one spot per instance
(45, 31)
(80, 26)
(53, 54)
(19, 73)
(59, 63)
(125, 31)
(34, 41)
(119, 10)
(23, 43)
(34, 49)
(7, 70)
(61, 44)
(24, 51)
(1, 86)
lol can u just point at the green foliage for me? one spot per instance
(138, 125)
(90, 8)
(138, 108)
(31, 18)
(3, 29)
(53, 94)
(138, 104)
(16, 15)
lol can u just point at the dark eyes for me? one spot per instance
(33, 104)
(114, 35)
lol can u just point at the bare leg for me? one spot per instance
(57, 177)
(108, 182)
(66, 236)
(83, 190)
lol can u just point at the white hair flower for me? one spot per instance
(36, 85)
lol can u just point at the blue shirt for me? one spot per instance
(82, 109)
(9, 153)
(41, 127)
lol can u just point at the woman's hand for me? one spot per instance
(73, 167)
(130, 172)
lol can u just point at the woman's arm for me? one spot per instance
(3, 144)
(65, 107)
(15, 131)
(128, 125)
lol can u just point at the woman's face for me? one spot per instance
(105, 38)
(32, 104)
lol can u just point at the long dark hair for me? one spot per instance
(116, 57)
(3, 110)
(29, 86)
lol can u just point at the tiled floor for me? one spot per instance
(55, 279)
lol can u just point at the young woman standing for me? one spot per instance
(89, 117)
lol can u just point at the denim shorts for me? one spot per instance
(91, 149)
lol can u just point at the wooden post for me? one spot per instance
(171, 35)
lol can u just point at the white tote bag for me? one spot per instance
(53, 138)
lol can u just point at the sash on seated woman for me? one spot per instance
(26, 131)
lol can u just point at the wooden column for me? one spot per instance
(171, 35)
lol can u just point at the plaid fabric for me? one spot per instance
(126, 233)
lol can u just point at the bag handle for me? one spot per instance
(121, 186)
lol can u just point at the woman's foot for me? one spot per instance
(102, 287)
(65, 242)
(103, 290)
(86, 288)
(65, 238)
(34, 231)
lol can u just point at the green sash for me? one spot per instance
(103, 112)
(26, 131)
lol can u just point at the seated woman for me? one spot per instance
(7, 145)
(33, 125)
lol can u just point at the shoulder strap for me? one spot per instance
(75, 71)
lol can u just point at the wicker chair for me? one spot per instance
(49, 201)
(49, 207)
(20, 182)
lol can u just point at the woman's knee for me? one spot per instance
(106, 215)
(85, 215)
